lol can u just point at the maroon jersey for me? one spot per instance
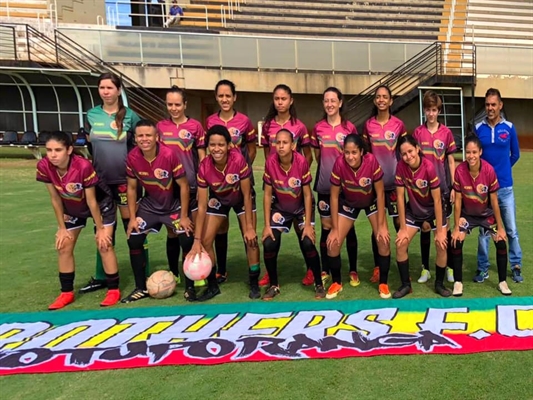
(71, 187)
(476, 191)
(436, 147)
(225, 185)
(330, 140)
(287, 186)
(157, 178)
(185, 139)
(240, 129)
(418, 185)
(383, 141)
(296, 127)
(357, 187)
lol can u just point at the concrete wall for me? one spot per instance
(80, 11)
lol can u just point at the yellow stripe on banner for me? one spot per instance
(231, 323)
(317, 319)
(198, 325)
(341, 326)
(65, 336)
(105, 335)
(276, 323)
(156, 328)
(475, 321)
(525, 319)
(10, 333)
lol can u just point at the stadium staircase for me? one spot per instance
(23, 46)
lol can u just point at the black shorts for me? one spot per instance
(414, 222)
(120, 193)
(151, 222)
(447, 206)
(109, 217)
(193, 201)
(391, 202)
(487, 224)
(324, 208)
(215, 207)
(283, 221)
(352, 212)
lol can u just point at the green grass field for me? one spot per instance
(28, 282)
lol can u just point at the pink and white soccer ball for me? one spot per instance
(199, 267)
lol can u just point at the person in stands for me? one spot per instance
(174, 14)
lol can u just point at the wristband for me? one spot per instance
(197, 239)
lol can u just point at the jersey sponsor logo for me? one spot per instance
(141, 223)
(123, 188)
(142, 173)
(323, 206)
(167, 133)
(214, 203)
(503, 136)
(234, 132)
(232, 178)
(184, 134)
(69, 219)
(348, 209)
(278, 218)
(295, 183)
(161, 173)
(390, 135)
(340, 138)
(421, 183)
(482, 189)
(463, 223)
(73, 187)
(175, 220)
(364, 182)
(438, 144)
(113, 125)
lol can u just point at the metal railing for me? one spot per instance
(8, 43)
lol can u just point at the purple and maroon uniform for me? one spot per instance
(287, 186)
(418, 185)
(293, 125)
(240, 129)
(436, 147)
(383, 141)
(157, 178)
(357, 187)
(71, 187)
(185, 139)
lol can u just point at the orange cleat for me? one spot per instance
(265, 280)
(64, 299)
(375, 275)
(112, 297)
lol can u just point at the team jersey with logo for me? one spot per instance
(295, 126)
(330, 140)
(383, 141)
(158, 178)
(287, 186)
(71, 187)
(225, 185)
(109, 148)
(436, 147)
(357, 187)
(476, 191)
(240, 129)
(418, 185)
(185, 139)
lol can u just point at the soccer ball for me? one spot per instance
(161, 284)
(199, 268)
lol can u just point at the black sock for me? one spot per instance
(324, 250)
(125, 223)
(375, 250)
(501, 260)
(270, 256)
(112, 281)
(138, 260)
(66, 279)
(425, 246)
(457, 260)
(173, 254)
(312, 260)
(351, 249)
(221, 251)
(449, 255)
(403, 268)
(212, 278)
(335, 268)
(384, 267)
(439, 274)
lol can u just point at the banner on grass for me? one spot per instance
(214, 334)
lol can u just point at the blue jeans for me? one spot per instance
(508, 211)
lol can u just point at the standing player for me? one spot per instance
(156, 168)
(357, 184)
(243, 137)
(328, 140)
(77, 193)
(109, 125)
(226, 174)
(476, 204)
(282, 115)
(501, 150)
(416, 176)
(438, 145)
(382, 132)
(186, 137)
(287, 179)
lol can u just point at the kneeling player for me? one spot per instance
(476, 204)
(77, 194)
(357, 184)
(157, 168)
(287, 179)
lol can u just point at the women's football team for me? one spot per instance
(174, 174)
